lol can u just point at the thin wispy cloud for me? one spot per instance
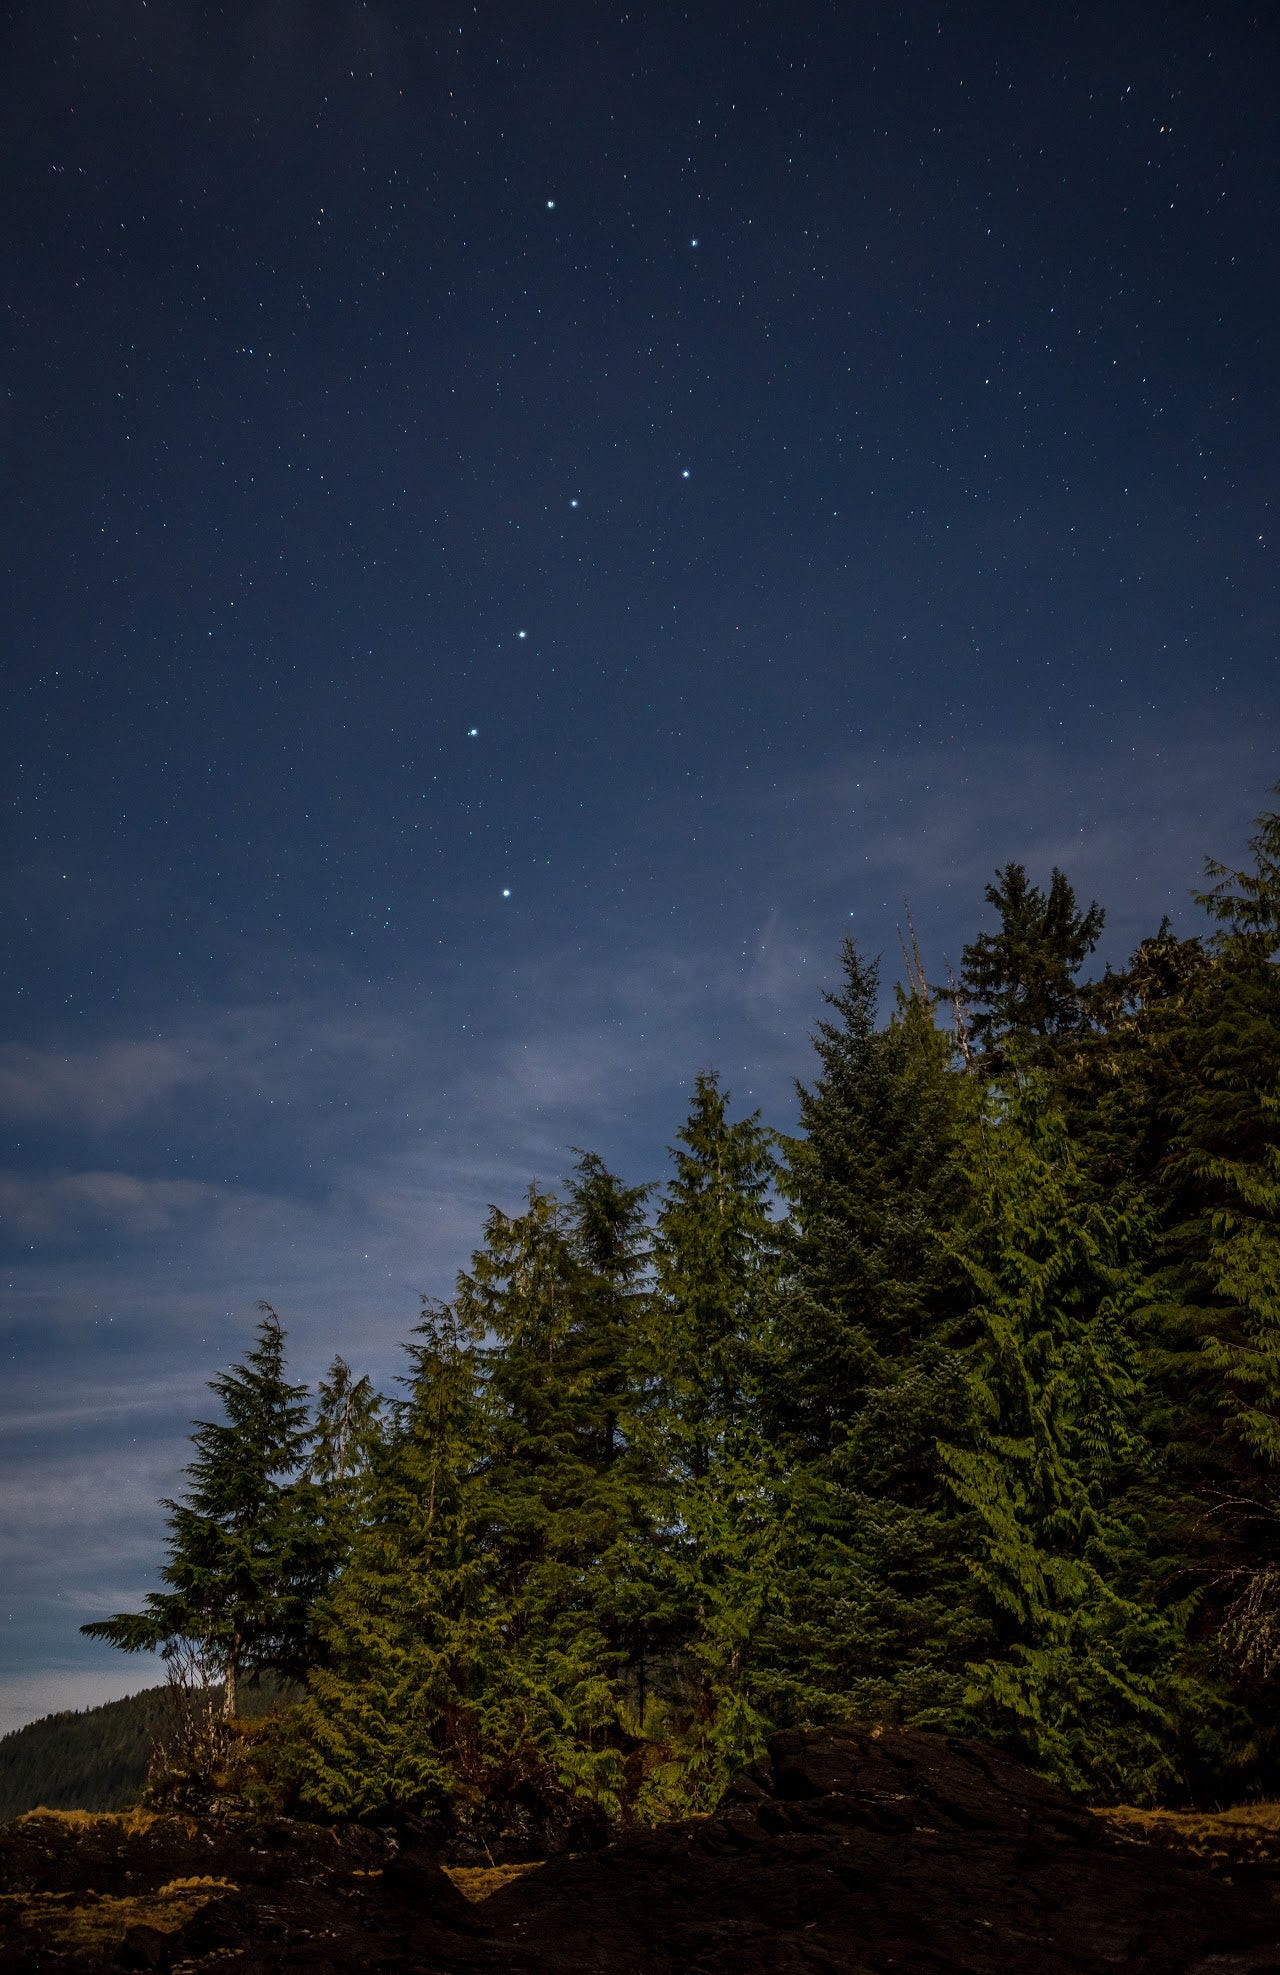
(68, 1206)
(98, 1087)
(383, 1123)
(1131, 826)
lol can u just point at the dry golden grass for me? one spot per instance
(95, 1921)
(1246, 1832)
(476, 1882)
(131, 1822)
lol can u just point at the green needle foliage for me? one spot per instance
(559, 1502)
(248, 1552)
(1022, 981)
(959, 1406)
(1219, 1288)
(1083, 1673)
(716, 1252)
(401, 1712)
(1226, 1147)
(880, 1615)
(871, 1178)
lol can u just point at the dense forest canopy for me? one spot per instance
(960, 1406)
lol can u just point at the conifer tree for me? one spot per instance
(871, 1178)
(348, 1424)
(609, 1233)
(715, 1254)
(1218, 1293)
(247, 1552)
(1021, 981)
(350, 1418)
(1086, 1673)
(556, 1502)
(715, 1259)
(1227, 1147)
(879, 1611)
(401, 1712)
(1114, 1086)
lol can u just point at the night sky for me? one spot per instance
(523, 525)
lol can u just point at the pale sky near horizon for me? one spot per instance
(528, 526)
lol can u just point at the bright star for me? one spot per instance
(693, 243)
(472, 732)
(685, 473)
(551, 205)
(522, 634)
(506, 891)
(573, 503)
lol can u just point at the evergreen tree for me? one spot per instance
(1022, 981)
(1086, 1673)
(715, 1262)
(871, 1178)
(608, 1234)
(986, 1434)
(879, 1610)
(348, 1426)
(1218, 1293)
(1114, 1087)
(715, 1257)
(350, 1420)
(558, 1506)
(1227, 1148)
(247, 1553)
(401, 1712)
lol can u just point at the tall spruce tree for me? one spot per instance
(1227, 1147)
(349, 1422)
(1022, 981)
(715, 1267)
(879, 1611)
(557, 1499)
(871, 1179)
(248, 1553)
(1086, 1673)
(715, 1255)
(404, 1712)
(610, 1236)
(1218, 1293)
(348, 1425)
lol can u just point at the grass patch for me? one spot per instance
(1247, 1833)
(93, 1922)
(130, 1822)
(476, 1882)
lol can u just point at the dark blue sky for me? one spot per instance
(524, 525)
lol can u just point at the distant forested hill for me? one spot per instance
(97, 1758)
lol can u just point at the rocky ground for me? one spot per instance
(861, 1852)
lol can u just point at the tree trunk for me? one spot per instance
(229, 1682)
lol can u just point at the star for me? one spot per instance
(684, 474)
(522, 634)
(506, 891)
(551, 205)
(472, 732)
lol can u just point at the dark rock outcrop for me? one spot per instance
(138, 1892)
(872, 1853)
(858, 1851)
